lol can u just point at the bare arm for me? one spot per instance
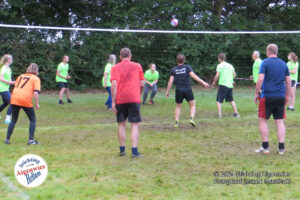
(294, 70)
(199, 80)
(58, 74)
(259, 83)
(105, 79)
(114, 88)
(142, 83)
(36, 100)
(170, 83)
(288, 88)
(4, 81)
(216, 79)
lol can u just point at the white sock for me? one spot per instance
(7, 117)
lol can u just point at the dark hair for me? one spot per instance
(180, 58)
(125, 52)
(222, 56)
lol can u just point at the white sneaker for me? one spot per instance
(281, 151)
(262, 150)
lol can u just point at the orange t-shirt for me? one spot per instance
(25, 86)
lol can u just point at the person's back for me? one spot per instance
(181, 75)
(226, 74)
(128, 75)
(275, 71)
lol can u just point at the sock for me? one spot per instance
(122, 149)
(265, 145)
(135, 151)
(7, 117)
(281, 145)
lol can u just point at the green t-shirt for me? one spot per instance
(291, 65)
(151, 77)
(226, 71)
(255, 69)
(63, 68)
(107, 70)
(6, 72)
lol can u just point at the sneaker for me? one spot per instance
(7, 121)
(235, 115)
(193, 123)
(262, 150)
(137, 155)
(220, 116)
(151, 102)
(121, 154)
(176, 125)
(30, 142)
(281, 151)
(7, 141)
(291, 109)
(60, 102)
(69, 101)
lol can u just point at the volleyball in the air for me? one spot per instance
(174, 22)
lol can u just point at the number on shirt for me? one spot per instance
(26, 79)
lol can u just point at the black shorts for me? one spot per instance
(294, 83)
(61, 85)
(132, 111)
(186, 94)
(271, 106)
(224, 93)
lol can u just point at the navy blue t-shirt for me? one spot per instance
(181, 75)
(275, 71)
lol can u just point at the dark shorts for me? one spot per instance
(224, 93)
(132, 111)
(181, 94)
(61, 85)
(271, 106)
(294, 83)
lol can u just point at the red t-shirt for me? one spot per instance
(128, 76)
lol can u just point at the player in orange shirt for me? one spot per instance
(26, 86)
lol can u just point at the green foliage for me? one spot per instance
(88, 51)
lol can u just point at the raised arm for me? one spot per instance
(199, 80)
(170, 83)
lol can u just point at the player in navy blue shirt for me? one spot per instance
(274, 79)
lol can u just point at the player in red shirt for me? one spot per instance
(127, 85)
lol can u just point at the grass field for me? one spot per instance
(79, 143)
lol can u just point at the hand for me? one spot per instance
(213, 85)
(233, 83)
(206, 85)
(151, 84)
(104, 85)
(37, 106)
(12, 82)
(256, 99)
(167, 94)
(68, 77)
(114, 109)
(251, 77)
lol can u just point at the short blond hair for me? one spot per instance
(32, 69)
(5, 58)
(272, 49)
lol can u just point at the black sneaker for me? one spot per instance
(69, 101)
(137, 155)
(235, 115)
(30, 142)
(60, 102)
(7, 142)
(121, 154)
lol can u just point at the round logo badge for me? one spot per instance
(31, 170)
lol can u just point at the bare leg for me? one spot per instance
(263, 128)
(135, 134)
(61, 93)
(177, 111)
(280, 130)
(219, 105)
(68, 93)
(192, 108)
(234, 107)
(292, 97)
(122, 133)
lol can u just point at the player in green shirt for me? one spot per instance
(151, 78)
(111, 61)
(293, 66)
(5, 82)
(225, 74)
(256, 65)
(62, 77)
